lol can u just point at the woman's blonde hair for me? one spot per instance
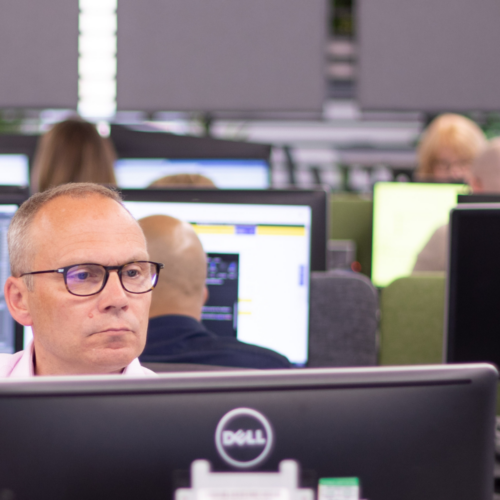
(452, 131)
(73, 151)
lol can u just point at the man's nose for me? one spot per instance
(113, 294)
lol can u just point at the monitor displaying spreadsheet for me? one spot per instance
(258, 269)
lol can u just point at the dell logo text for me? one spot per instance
(244, 438)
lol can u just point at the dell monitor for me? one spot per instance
(389, 433)
(405, 215)
(473, 295)
(224, 173)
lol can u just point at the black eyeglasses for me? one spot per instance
(89, 279)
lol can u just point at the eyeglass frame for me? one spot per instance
(107, 269)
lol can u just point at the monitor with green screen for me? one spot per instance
(405, 215)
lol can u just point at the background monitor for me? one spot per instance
(415, 433)
(225, 173)
(14, 170)
(258, 245)
(405, 215)
(11, 334)
(473, 294)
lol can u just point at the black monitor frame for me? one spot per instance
(419, 432)
(152, 143)
(454, 279)
(479, 198)
(317, 199)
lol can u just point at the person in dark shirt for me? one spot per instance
(175, 332)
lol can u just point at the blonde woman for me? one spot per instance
(72, 151)
(448, 147)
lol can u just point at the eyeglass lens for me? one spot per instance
(86, 279)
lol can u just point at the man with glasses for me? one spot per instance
(81, 278)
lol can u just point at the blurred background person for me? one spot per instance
(175, 332)
(73, 151)
(183, 181)
(447, 149)
(483, 177)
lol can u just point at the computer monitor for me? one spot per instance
(415, 433)
(11, 333)
(473, 295)
(405, 215)
(261, 246)
(225, 173)
(14, 170)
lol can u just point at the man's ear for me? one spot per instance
(205, 295)
(16, 296)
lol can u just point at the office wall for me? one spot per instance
(210, 55)
(39, 53)
(429, 55)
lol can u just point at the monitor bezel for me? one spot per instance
(316, 199)
(451, 290)
(478, 382)
(478, 198)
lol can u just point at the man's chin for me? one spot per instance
(112, 358)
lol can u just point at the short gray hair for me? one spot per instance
(18, 237)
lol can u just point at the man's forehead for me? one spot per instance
(92, 219)
(68, 211)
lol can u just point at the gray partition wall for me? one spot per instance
(39, 53)
(429, 55)
(221, 55)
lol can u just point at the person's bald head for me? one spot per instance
(485, 170)
(181, 288)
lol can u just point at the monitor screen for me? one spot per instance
(14, 170)
(225, 174)
(414, 433)
(405, 215)
(473, 294)
(258, 269)
(7, 324)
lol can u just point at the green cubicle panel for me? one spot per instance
(351, 219)
(412, 320)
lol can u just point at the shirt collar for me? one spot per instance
(25, 367)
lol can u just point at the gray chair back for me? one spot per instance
(343, 320)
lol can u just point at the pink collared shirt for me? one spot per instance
(20, 365)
